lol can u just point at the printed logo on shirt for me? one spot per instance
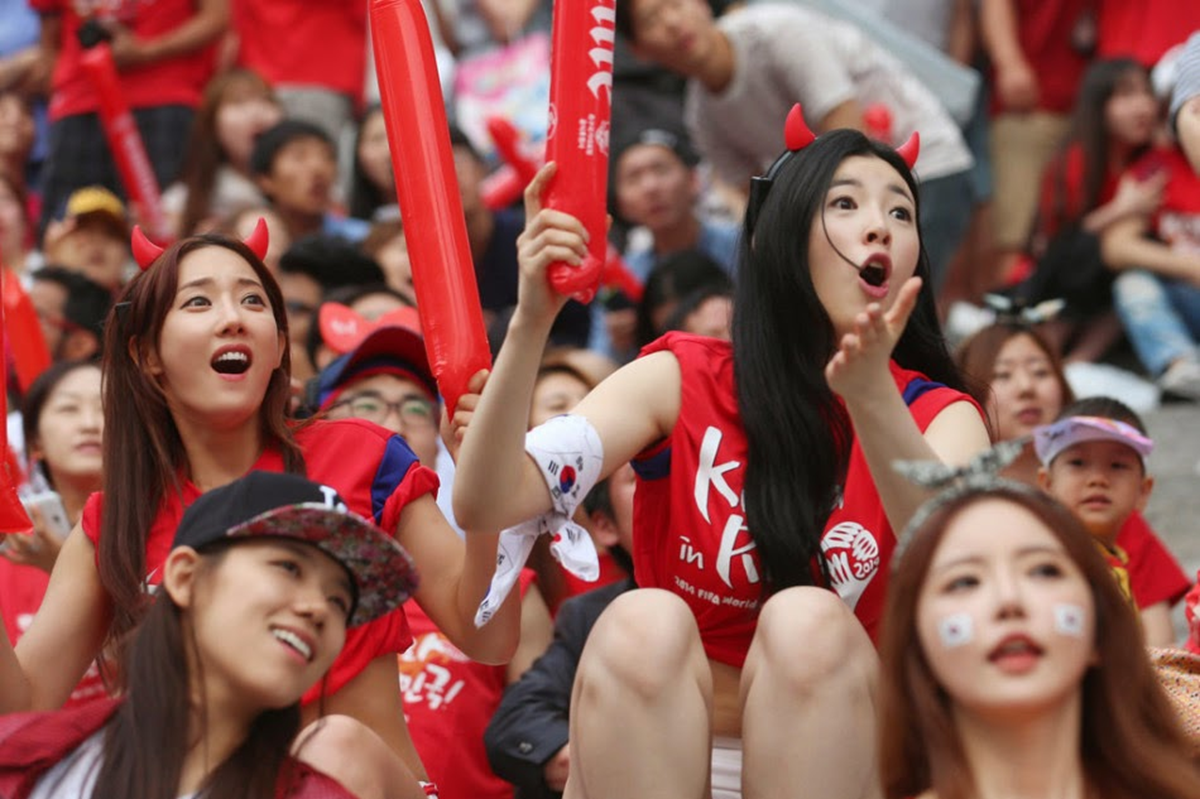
(852, 554)
(427, 672)
(736, 558)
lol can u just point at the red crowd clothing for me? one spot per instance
(372, 469)
(1154, 574)
(1177, 221)
(690, 494)
(1062, 191)
(33, 743)
(326, 42)
(1045, 31)
(21, 592)
(171, 81)
(1143, 29)
(448, 701)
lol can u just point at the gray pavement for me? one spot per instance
(1174, 508)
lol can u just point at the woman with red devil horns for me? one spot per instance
(196, 383)
(764, 479)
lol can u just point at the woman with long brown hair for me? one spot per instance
(1012, 665)
(195, 393)
(215, 180)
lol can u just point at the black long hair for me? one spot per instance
(148, 737)
(1089, 131)
(798, 433)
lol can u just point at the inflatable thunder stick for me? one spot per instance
(427, 188)
(125, 142)
(580, 107)
(13, 518)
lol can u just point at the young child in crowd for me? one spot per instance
(1093, 462)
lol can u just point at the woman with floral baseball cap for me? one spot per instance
(263, 579)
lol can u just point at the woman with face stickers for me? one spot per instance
(1007, 665)
(763, 480)
(264, 577)
(196, 386)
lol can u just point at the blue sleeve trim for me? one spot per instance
(655, 467)
(918, 387)
(394, 464)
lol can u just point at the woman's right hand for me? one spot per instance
(549, 237)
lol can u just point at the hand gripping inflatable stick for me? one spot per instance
(430, 205)
(580, 107)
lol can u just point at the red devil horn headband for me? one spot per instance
(797, 135)
(146, 252)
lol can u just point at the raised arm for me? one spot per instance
(65, 636)
(496, 484)
(885, 429)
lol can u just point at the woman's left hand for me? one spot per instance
(38, 549)
(860, 365)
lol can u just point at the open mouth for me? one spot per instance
(875, 271)
(231, 362)
(1017, 646)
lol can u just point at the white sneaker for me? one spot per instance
(1182, 379)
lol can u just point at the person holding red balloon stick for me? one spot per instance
(764, 478)
(196, 387)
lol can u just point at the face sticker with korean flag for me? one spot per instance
(956, 630)
(1068, 620)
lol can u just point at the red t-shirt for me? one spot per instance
(1044, 30)
(1154, 574)
(21, 592)
(1062, 191)
(448, 701)
(691, 536)
(305, 43)
(1144, 29)
(376, 474)
(172, 81)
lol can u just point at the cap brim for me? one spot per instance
(1050, 440)
(395, 343)
(382, 570)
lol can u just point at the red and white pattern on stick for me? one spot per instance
(580, 109)
(125, 142)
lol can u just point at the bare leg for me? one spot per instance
(349, 751)
(641, 708)
(808, 688)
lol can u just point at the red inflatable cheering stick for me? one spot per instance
(13, 518)
(22, 331)
(430, 205)
(580, 107)
(125, 141)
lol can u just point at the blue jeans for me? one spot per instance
(1161, 317)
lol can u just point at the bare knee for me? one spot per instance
(645, 640)
(809, 638)
(351, 753)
